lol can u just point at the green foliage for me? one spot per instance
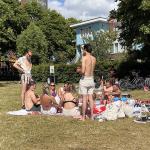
(135, 23)
(34, 39)
(101, 43)
(58, 35)
(65, 72)
(15, 18)
(12, 21)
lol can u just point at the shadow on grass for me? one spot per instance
(2, 85)
(7, 83)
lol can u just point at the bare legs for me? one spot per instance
(91, 105)
(84, 105)
(23, 90)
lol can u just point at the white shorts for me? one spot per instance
(52, 110)
(71, 112)
(86, 86)
(26, 78)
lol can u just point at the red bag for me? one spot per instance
(98, 109)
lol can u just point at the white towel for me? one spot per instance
(21, 112)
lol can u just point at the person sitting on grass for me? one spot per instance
(70, 103)
(61, 90)
(52, 89)
(32, 101)
(108, 88)
(53, 92)
(116, 93)
(48, 103)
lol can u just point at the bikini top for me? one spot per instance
(72, 101)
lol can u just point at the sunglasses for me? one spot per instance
(52, 85)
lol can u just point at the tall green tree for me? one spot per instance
(58, 35)
(33, 38)
(14, 18)
(12, 21)
(134, 23)
(102, 44)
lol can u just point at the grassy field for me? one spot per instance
(60, 133)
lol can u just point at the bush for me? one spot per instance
(65, 72)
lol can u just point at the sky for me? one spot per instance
(83, 9)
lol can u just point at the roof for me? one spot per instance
(99, 19)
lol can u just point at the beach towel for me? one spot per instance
(21, 112)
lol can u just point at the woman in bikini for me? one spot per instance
(69, 103)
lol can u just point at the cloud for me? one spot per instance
(83, 9)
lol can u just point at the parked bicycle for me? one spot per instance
(136, 83)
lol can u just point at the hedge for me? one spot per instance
(65, 72)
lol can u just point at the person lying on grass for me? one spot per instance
(70, 103)
(32, 101)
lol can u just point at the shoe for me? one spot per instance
(141, 120)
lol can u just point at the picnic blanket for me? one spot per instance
(23, 112)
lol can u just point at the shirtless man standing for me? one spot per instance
(32, 102)
(24, 65)
(86, 84)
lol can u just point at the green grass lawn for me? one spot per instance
(60, 133)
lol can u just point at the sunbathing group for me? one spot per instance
(108, 92)
(51, 101)
(66, 100)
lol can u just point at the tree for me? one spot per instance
(12, 21)
(15, 18)
(134, 23)
(58, 35)
(34, 39)
(101, 43)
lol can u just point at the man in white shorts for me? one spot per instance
(24, 65)
(86, 84)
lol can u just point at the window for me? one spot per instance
(86, 32)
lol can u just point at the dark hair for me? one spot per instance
(88, 48)
(70, 87)
(32, 82)
(26, 50)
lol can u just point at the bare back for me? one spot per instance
(46, 102)
(69, 98)
(88, 65)
(28, 100)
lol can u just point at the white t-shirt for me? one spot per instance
(21, 61)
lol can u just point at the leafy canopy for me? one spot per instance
(102, 43)
(33, 38)
(134, 22)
